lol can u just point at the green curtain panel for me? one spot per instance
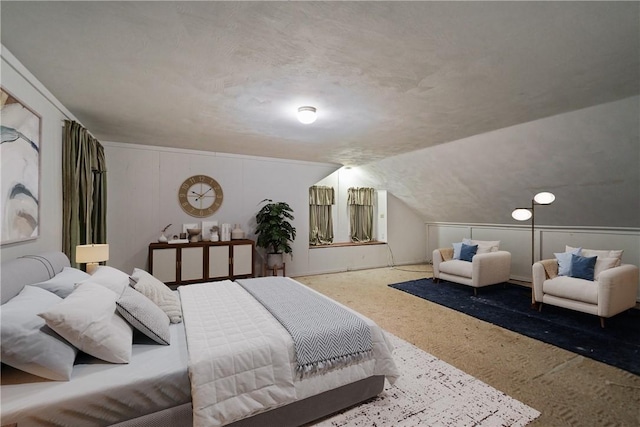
(84, 190)
(361, 201)
(320, 216)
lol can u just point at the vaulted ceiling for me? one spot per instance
(387, 78)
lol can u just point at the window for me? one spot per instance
(321, 200)
(360, 201)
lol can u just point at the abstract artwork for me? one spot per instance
(20, 173)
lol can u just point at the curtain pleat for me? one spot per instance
(321, 200)
(84, 190)
(361, 201)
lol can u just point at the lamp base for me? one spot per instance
(91, 267)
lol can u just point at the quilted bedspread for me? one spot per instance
(242, 360)
(238, 354)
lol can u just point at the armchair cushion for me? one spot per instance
(457, 267)
(582, 267)
(598, 253)
(467, 252)
(484, 246)
(603, 264)
(457, 247)
(564, 261)
(572, 288)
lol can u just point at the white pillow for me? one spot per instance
(144, 315)
(159, 293)
(484, 246)
(603, 264)
(63, 283)
(87, 319)
(109, 277)
(30, 345)
(600, 253)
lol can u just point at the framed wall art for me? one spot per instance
(20, 173)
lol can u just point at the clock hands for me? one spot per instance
(200, 196)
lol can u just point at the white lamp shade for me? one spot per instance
(521, 214)
(544, 198)
(92, 253)
(307, 115)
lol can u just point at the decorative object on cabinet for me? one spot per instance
(225, 232)
(194, 234)
(207, 229)
(274, 231)
(237, 232)
(163, 238)
(92, 255)
(20, 170)
(176, 240)
(187, 263)
(186, 227)
(200, 196)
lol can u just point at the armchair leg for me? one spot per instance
(602, 322)
(539, 307)
(436, 280)
(475, 292)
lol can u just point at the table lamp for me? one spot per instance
(92, 255)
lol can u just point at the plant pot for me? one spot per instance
(275, 260)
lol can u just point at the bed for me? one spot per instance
(158, 385)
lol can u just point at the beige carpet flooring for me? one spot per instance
(568, 389)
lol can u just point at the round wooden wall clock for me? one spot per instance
(200, 196)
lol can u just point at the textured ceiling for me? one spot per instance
(387, 77)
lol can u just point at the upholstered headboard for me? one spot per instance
(16, 273)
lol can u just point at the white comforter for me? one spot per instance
(242, 361)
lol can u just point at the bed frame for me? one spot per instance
(17, 273)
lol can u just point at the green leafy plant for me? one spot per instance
(274, 230)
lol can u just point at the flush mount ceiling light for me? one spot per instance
(307, 115)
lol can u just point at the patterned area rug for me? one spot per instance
(509, 306)
(431, 392)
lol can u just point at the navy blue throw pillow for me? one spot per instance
(467, 252)
(582, 267)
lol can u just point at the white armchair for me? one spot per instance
(614, 290)
(484, 269)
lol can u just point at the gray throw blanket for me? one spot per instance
(325, 335)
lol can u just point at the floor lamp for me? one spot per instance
(523, 214)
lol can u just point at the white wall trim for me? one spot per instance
(549, 227)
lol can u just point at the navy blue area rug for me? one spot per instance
(509, 306)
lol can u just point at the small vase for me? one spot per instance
(237, 233)
(162, 239)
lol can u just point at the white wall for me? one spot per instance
(142, 193)
(20, 83)
(548, 240)
(142, 196)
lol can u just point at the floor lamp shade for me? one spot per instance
(92, 255)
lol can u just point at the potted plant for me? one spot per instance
(274, 231)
